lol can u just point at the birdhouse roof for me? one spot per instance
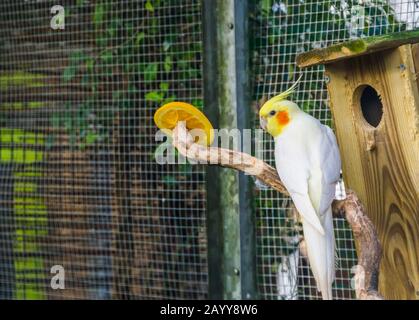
(356, 48)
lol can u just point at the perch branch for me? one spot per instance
(366, 240)
(369, 249)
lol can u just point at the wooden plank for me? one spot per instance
(380, 163)
(355, 48)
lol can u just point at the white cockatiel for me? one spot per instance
(308, 163)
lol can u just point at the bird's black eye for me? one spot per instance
(272, 113)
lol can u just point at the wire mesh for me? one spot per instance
(281, 31)
(79, 184)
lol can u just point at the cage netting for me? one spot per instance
(80, 187)
(281, 30)
(79, 183)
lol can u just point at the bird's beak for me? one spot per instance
(262, 121)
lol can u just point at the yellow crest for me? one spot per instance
(286, 93)
(266, 108)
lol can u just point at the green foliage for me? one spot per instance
(154, 96)
(149, 6)
(99, 14)
(139, 38)
(150, 71)
(134, 59)
(69, 73)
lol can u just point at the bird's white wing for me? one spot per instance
(330, 166)
(293, 169)
(306, 210)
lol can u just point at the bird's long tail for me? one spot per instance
(321, 254)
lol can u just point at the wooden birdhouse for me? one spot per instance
(374, 98)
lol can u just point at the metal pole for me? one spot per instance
(247, 213)
(230, 214)
(214, 218)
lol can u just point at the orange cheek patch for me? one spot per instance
(282, 118)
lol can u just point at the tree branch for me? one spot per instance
(366, 240)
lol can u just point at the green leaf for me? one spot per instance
(101, 40)
(193, 73)
(154, 96)
(99, 14)
(169, 99)
(56, 120)
(140, 37)
(149, 6)
(69, 73)
(168, 63)
(107, 56)
(128, 28)
(150, 72)
(90, 64)
(166, 45)
(66, 13)
(199, 103)
(113, 27)
(77, 57)
(266, 6)
(164, 86)
(91, 138)
(169, 179)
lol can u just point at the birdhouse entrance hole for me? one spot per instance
(371, 106)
